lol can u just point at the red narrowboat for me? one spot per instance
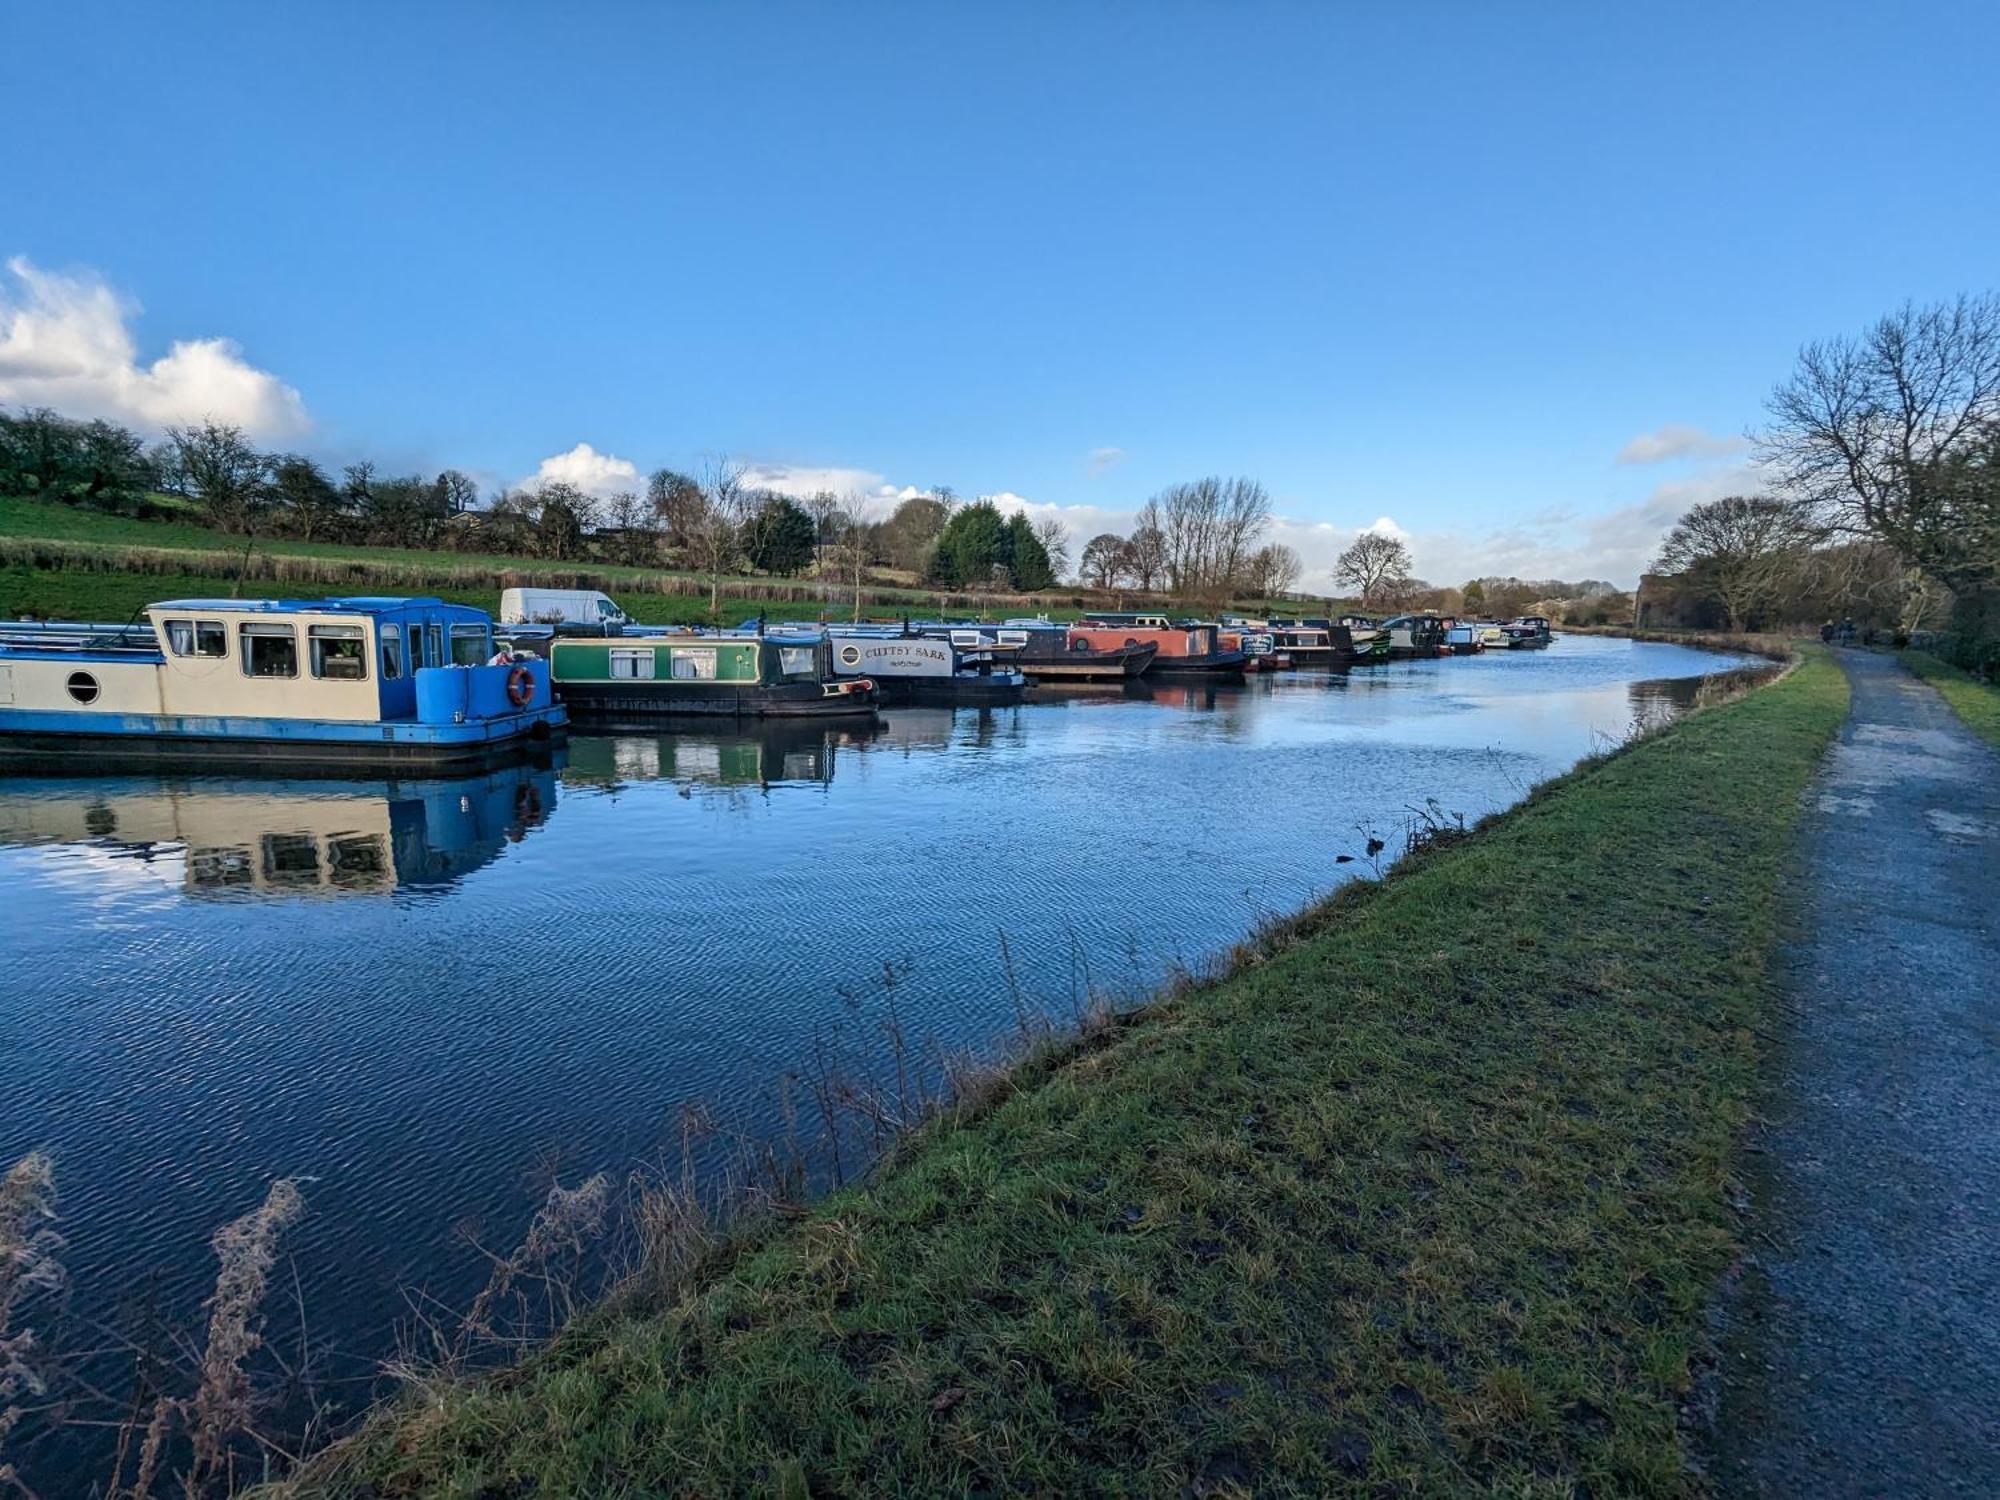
(1187, 646)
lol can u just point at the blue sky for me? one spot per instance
(1437, 263)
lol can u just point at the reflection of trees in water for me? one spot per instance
(1657, 702)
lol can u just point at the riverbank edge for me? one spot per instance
(1432, 1191)
(1976, 703)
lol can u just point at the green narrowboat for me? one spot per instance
(634, 678)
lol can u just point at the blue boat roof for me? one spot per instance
(353, 604)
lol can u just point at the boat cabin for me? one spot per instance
(234, 673)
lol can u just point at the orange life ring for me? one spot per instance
(520, 687)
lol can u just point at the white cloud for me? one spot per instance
(65, 342)
(801, 481)
(1101, 460)
(1385, 526)
(1679, 440)
(594, 473)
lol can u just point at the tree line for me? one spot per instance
(1884, 506)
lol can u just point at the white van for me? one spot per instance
(559, 607)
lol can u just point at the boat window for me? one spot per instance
(270, 650)
(416, 647)
(633, 661)
(357, 861)
(966, 637)
(291, 859)
(436, 656)
(693, 663)
(797, 661)
(392, 655)
(219, 867)
(197, 638)
(468, 645)
(82, 687)
(1013, 638)
(339, 652)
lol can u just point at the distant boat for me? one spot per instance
(637, 678)
(1045, 651)
(1187, 646)
(1370, 640)
(1529, 632)
(356, 681)
(1415, 637)
(910, 667)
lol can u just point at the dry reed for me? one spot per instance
(28, 1265)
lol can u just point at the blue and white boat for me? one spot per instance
(360, 681)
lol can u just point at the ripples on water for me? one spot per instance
(419, 994)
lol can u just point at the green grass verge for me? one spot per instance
(1433, 1200)
(1976, 702)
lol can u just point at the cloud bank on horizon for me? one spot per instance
(66, 342)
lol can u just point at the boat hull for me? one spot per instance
(640, 700)
(996, 691)
(155, 739)
(1215, 664)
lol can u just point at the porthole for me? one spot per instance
(850, 655)
(82, 687)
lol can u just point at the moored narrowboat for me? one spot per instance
(908, 667)
(356, 681)
(1369, 640)
(1258, 644)
(636, 678)
(1414, 637)
(1463, 639)
(1044, 650)
(1314, 643)
(1187, 646)
(1529, 632)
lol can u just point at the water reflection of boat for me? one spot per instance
(775, 750)
(286, 836)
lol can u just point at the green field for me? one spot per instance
(88, 574)
(1976, 702)
(1430, 1197)
(48, 520)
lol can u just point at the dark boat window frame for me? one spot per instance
(319, 637)
(187, 638)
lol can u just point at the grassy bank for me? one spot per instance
(1431, 1198)
(1976, 702)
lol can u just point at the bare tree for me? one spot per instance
(1273, 569)
(1745, 549)
(1106, 559)
(1376, 567)
(461, 492)
(219, 468)
(1146, 551)
(1054, 537)
(1208, 531)
(848, 556)
(677, 504)
(715, 538)
(1883, 430)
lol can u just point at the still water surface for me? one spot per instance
(416, 995)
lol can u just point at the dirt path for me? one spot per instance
(1862, 1353)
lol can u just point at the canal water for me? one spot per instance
(421, 997)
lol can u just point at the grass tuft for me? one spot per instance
(1976, 703)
